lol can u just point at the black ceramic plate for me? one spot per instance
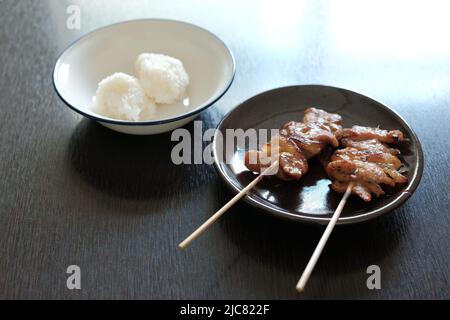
(311, 199)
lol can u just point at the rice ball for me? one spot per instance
(120, 96)
(162, 77)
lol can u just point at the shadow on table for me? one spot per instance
(287, 245)
(129, 166)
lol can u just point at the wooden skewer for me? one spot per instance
(315, 256)
(227, 206)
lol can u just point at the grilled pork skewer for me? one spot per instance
(360, 168)
(297, 142)
(284, 156)
(292, 162)
(367, 161)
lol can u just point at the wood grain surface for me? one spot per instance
(75, 193)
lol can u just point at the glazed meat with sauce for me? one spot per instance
(292, 163)
(359, 133)
(380, 158)
(366, 163)
(297, 142)
(311, 138)
(371, 144)
(315, 132)
(332, 120)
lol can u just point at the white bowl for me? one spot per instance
(207, 60)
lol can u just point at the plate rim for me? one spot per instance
(395, 203)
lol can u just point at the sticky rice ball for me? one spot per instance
(120, 96)
(162, 77)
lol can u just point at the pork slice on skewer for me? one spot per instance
(385, 161)
(359, 133)
(315, 132)
(332, 120)
(366, 163)
(372, 144)
(297, 142)
(366, 176)
(311, 138)
(367, 156)
(292, 163)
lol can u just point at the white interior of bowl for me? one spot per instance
(115, 48)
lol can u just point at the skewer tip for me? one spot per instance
(182, 246)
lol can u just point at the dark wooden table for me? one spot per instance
(75, 193)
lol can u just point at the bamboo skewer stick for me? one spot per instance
(227, 206)
(315, 256)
